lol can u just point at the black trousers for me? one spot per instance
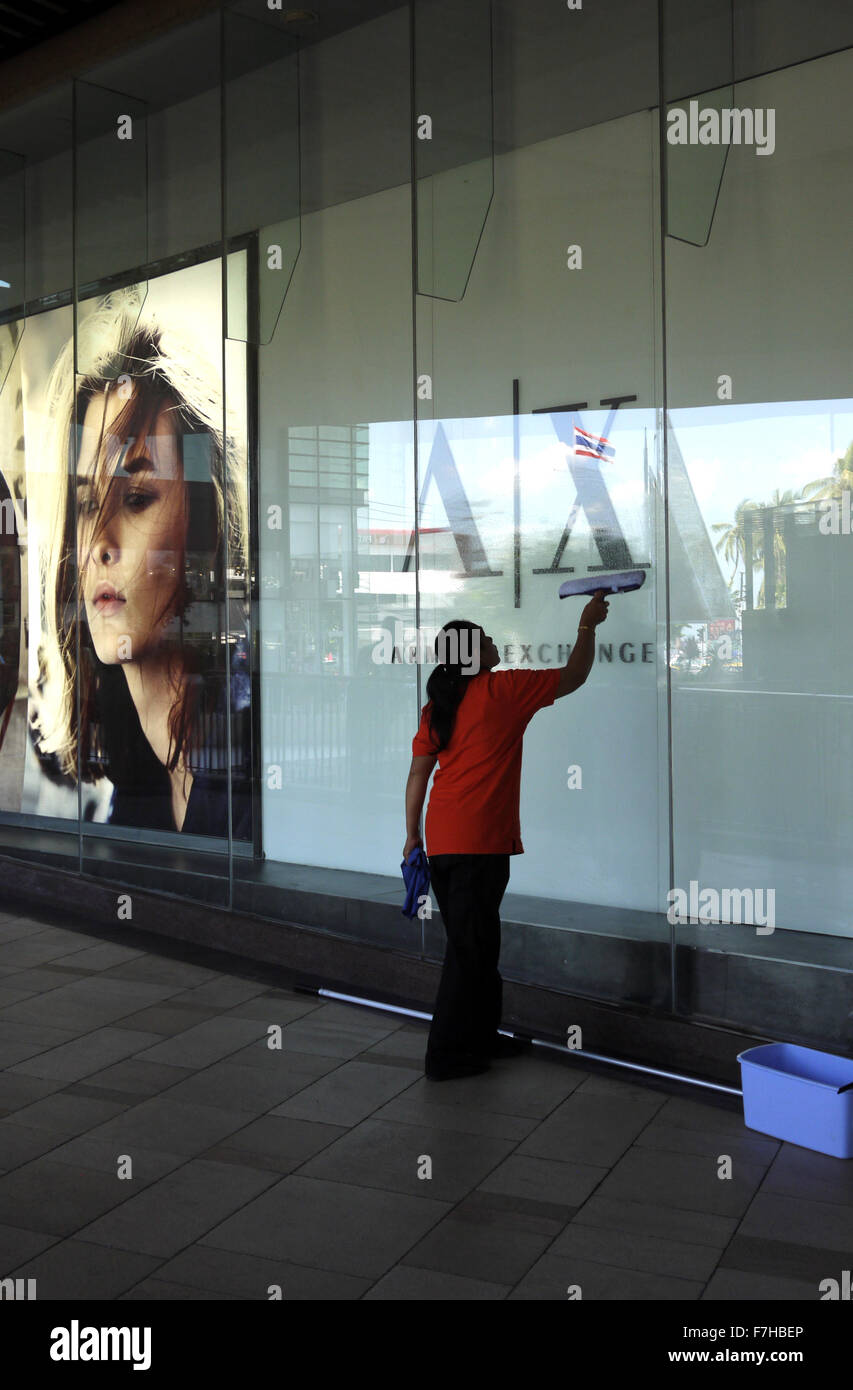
(468, 889)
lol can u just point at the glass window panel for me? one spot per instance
(262, 193)
(761, 424)
(453, 145)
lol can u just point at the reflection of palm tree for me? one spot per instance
(732, 535)
(788, 498)
(690, 649)
(732, 539)
(841, 479)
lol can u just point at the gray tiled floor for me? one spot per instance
(156, 1143)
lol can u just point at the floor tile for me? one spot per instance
(681, 1180)
(669, 1223)
(783, 1258)
(524, 1086)
(178, 1208)
(11, 994)
(41, 979)
(592, 1129)
(16, 1090)
(76, 1269)
(329, 1225)
(637, 1251)
(34, 950)
(13, 929)
(19, 1145)
(84, 1056)
(104, 956)
(159, 1123)
(499, 1250)
(229, 1274)
(827, 1225)
(553, 1276)
(62, 1115)
(797, 1172)
(544, 1180)
(223, 992)
(206, 1042)
(317, 1032)
(276, 1142)
(20, 1041)
(84, 1004)
(267, 1009)
(398, 1158)
(677, 1139)
(18, 1245)
(348, 1094)
(167, 1019)
(708, 1111)
(736, 1286)
(411, 1047)
(255, 1089)
(415, 1106)
(158, 1289)
(55, 1198)
(101, 1156)
(162, 970)
(136, 1078)
(405, 1283)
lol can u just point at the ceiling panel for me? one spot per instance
(24, 23)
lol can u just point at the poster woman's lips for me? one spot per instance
(106, 600)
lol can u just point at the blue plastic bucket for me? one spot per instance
(800, 1095)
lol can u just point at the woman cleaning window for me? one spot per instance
(473, 726)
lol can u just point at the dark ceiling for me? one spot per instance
(24, 23)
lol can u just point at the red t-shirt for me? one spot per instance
(474, 803)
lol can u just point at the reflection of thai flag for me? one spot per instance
(592, 446)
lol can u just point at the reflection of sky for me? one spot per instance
(738, 451)
(730, 451)
(483, 452)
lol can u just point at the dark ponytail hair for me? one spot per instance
(449, 681)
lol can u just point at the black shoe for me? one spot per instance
(508, 1047)
(449, 1071)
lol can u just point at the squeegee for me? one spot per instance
(620, 583)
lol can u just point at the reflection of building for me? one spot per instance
(308, 565)
(384, 551)
(798, 637)
(386, 582)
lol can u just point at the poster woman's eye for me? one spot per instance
(139, 499)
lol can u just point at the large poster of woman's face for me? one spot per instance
(124, 592)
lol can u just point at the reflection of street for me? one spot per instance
(341, 734)
(707, 650)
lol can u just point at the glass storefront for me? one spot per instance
(309, 344)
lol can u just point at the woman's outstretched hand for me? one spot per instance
(410, 844)
(596, 610)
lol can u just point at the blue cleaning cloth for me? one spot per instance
(415, 872)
